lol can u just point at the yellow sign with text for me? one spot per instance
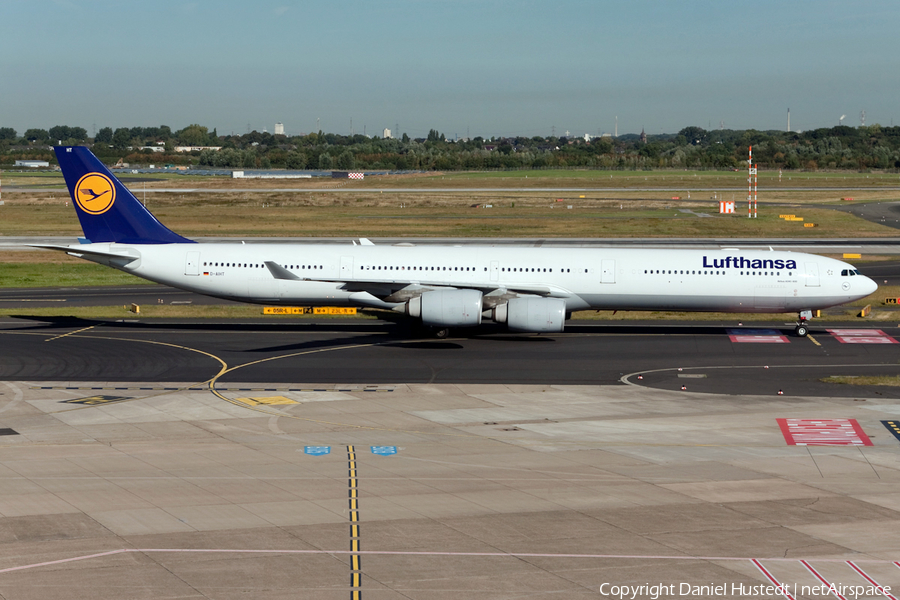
(309, 310)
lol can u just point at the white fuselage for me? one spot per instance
(586, 278)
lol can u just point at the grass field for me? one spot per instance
(21, 274)
(445, 215)
(362, 209)
(578, 178)
(891, 380)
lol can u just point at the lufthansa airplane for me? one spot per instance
(528, 289)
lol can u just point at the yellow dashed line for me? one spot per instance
(813, 340)
(70, 333)
(355, 561)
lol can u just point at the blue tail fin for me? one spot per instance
(107, 210)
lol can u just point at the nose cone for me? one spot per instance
(868, 286)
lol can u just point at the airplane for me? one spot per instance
(526, 288)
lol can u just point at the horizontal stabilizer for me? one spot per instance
(126, 253)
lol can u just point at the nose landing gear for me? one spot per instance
(802, 329)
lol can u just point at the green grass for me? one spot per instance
(674, 178)
(36, 275)
(891, 380)
(288, 215)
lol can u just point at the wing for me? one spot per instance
(386, 293)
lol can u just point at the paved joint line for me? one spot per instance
(353, 499)
(258, 551)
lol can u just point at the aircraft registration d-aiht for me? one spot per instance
(528, 289)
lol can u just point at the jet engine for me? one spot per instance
(447, 308)
(534, 315)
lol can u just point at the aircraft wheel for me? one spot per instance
(801, 330)
(442, 333)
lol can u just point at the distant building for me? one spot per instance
(196, 148)
(643, 136)
(279, 128)
(33, 164)
(386, 134)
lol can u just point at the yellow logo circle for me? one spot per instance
(95, 193)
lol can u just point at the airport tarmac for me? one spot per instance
(331, 461)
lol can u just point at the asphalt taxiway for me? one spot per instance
(759, 358)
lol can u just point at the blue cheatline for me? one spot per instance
(108, 211)
(317, 450)
(384, 450)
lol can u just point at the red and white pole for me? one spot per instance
(750, 185)
(755, 182)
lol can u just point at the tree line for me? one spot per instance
(834, 148)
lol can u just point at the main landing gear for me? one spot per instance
(802, 329)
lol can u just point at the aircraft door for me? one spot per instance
(812, 274)
(192, 263)
(607, 271)
(495, 270)
(346, 267)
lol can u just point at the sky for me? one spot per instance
(465, 68)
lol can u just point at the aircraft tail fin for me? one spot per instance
(108, 211)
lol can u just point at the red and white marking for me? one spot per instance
(818, 576)
(823, 432)
(783, 588)
(757, 336)
(862, 336)
(865, 576)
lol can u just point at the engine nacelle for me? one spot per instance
(533, 315)
(447, 308)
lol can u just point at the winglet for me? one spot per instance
(108, 211)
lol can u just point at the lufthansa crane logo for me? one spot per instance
(95, 193)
